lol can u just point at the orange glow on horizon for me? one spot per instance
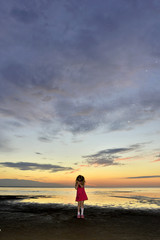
(110, 176)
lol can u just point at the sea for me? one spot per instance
(124, 198)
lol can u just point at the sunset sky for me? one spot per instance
(80, 92)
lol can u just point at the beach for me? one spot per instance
(80, 119)
(30, 221)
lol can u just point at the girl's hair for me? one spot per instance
(81, 179)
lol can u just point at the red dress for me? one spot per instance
(81, 194)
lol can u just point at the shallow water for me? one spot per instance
(126, 198)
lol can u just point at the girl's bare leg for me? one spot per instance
(82, 204)
(82, 207)
(79, 205)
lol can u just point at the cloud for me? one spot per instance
(158, 158)
(153, 176)
(108, 157)
(77, 70)
(5, 145)
(73, 171)
(35, 166)
(44, 139)
(127, 158)
(24, 15)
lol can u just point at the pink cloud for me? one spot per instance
(73, 171)
(84, 165)
(121, 159)
(157, 160)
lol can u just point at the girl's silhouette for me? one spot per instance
(81, 195)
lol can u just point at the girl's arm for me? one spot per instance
(81, 184)
(76, 185)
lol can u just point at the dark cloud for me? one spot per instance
(44, 139)
(80, 66)
(35, 166)
(108, 157)
(24, 15)
(27, 76)
(6, 112)
(153, 176)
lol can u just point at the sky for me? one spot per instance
(80, 92)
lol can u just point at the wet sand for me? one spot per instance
(28, 221)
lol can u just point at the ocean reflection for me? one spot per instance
(148, 198)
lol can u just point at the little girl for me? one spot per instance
(81, 195)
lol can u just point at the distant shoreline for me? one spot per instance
(73, 187)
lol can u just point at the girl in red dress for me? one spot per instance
(81, 195)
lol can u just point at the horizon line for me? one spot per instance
(86, 186)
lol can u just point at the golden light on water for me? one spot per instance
(109, 197)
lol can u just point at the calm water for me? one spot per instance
(143, 198)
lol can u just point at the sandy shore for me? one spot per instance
(26, 221)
